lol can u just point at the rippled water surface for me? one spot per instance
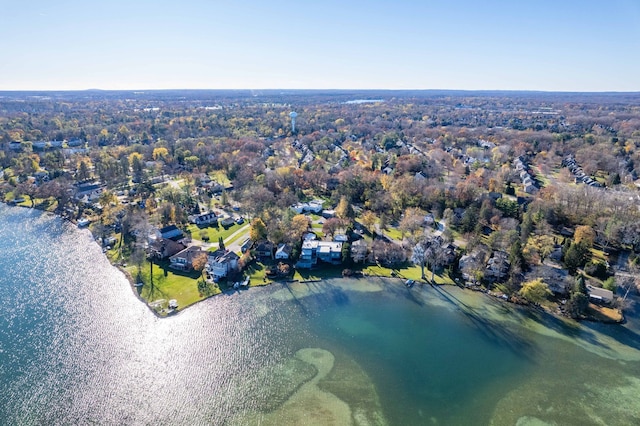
(78, 347)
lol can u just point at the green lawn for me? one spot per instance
(393, 233)
(168, 284)
(214, 232)
(220, 176)
(408, 272)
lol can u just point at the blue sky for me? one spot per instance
(557, 45)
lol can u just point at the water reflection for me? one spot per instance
(77, 347)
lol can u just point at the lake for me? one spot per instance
(77, 346)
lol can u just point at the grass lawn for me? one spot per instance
(393, 233)
(598, 255)
(408, 272)
(220, 176)
(168, 284)
(214, 232)
(319, 273)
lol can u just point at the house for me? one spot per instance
(205, 219)
(222, 262)
(359, 251)
(308, 254)
(264, 249)
(497, 267)
(246, 245)
(183, 260)
(330, 251)
(283, 252)
(171, 232)
(314, 206)
(529, 188)
(15, 146)
(162, 248)
(598, 294)
(227, 222)
(340, 238)
(328, 214)
(89, 192)
(472, 264)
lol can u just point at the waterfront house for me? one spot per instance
(600, 295)
(497, 267)
(330, 252)
(327, 251)
(359, 251)
(264, 248)
(283, 252)
(221, 263)
(183, 260)
(308, 255)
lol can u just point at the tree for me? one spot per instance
(344, 210)
(160, 153)
(83, 172)
(584, 234)
(299, 226)
(412, 221)
(428, 251)
(535, 291)
(543, 245)
(576, 257)
(577, 305)
(369, 220)
(221, 243)
(331, 226)
(257, 230)
(199, 262)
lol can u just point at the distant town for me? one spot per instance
(530, 197)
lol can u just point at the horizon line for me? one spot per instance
(326, 90)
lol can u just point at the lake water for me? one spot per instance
(78, 347)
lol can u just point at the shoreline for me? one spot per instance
(488, 293)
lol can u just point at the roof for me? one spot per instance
(171, 232)
(600, 293)
(284, 248)
(188, 254)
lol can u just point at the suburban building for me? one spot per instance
(183, 260)
(163, 248)
(598, 294)
(283, 252)
(327, 251)
(221, 263)
(205, 219)
(171, 232)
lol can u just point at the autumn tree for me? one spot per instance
(584, 234)
(369, 220)
(344, 210)
(535, 291)
(257, 230)
(299, 226)
(199, 262)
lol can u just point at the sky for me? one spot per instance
(551, 45)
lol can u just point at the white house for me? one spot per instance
(283, 252)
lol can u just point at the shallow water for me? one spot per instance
(77, 346)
